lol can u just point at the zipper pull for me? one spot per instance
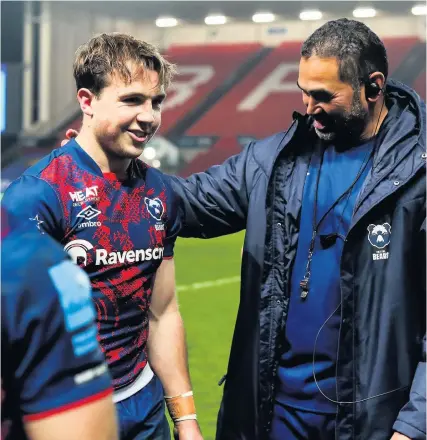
(222, 380)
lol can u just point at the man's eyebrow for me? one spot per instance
(315, 91)
(160, 96)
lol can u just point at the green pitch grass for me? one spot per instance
(209, 312)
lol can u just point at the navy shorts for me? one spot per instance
(294, 424)
(142, 416)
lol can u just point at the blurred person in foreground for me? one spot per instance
(55, 383)
(330, 335)
(118, 220)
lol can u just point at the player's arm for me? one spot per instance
(30, 200)
(167, 351)
(214, 202)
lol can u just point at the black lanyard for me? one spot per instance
(305, 282)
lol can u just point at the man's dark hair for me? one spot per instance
(359, 51)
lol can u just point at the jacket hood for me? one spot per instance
(405, 127)
(408, 108)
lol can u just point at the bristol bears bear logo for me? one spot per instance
(154, 207)
(379, 235)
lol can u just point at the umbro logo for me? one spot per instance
(88, 213)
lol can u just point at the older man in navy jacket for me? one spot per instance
(329, 340)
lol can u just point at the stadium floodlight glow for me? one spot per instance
(156, 163)
(166, 22)
(263, 17)
(419, 10)
(215, 19)
(149, 153)
(364, 12)
(310, 14)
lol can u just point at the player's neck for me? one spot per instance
(107, 163)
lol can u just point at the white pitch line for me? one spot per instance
(205, 284)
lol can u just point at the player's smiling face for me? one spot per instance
(126, 116)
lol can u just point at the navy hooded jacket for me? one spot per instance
(381, 348)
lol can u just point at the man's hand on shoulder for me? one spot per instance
(69, 134)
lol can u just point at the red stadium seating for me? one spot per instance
(397, 49)
(204, 66)
(262, 103)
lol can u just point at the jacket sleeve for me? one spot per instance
(411, 420)
(214, 202)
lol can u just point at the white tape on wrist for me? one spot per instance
(189, 417)
(187, 394)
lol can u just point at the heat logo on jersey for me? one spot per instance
(78, 250)
(154, 207)
(89, 194)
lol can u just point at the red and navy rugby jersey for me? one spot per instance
(118, 231)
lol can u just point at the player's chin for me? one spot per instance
(131, 151)
(133, 148)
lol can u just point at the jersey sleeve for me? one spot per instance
(30, 200)
(52, 340)
(173, 225)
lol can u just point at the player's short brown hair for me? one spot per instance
(110, 54)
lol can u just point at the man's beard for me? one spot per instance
(348, 126)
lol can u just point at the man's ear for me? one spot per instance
(85, 98)
(378, 79)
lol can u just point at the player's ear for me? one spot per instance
(85, 98)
